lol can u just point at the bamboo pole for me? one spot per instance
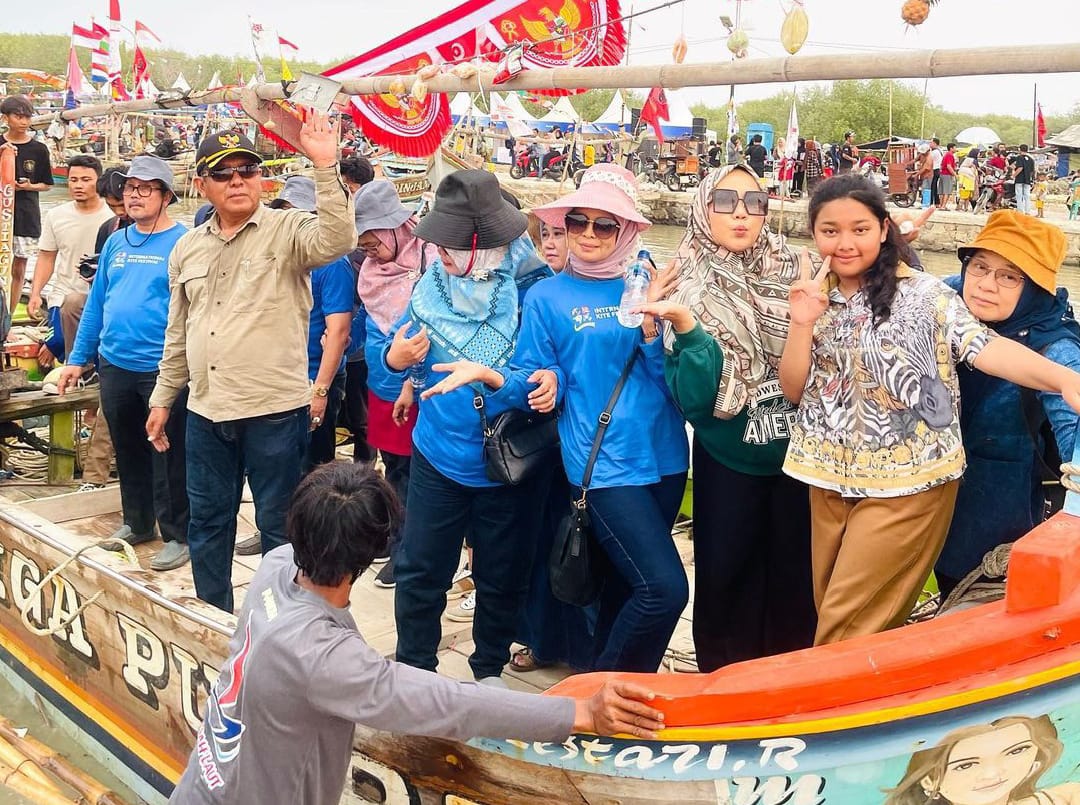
(945, 62)
(25, 766)
(91, 790)
(31, 789)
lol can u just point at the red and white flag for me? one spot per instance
(285, 44)
(86, 37)
(1040, 126)
(143, 31)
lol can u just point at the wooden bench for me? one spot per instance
(61, 413)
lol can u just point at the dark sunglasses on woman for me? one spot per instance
(726, 200)
(603, 228)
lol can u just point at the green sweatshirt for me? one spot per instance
(755, 440)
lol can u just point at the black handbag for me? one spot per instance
(517, 444)
(575, 555)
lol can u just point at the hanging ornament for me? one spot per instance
(419, 89)
(397, 87)
(795, 28)
(915, 12)
(739, 43)
(464, 71)
(678, 50)
(429, 71)
(511, 64)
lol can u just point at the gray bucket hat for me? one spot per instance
(299, 191)
(378, 207)
(470, 213)
(148, 168)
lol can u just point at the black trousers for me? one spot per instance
(322, 443)
(153, 485)
(397, 475)
(754, 592)
(934, 197)
(354, 410)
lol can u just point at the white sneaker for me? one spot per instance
(463, 612)
(462, 584)
(89, 487)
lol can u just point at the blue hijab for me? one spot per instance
(471, 320)
(1040, 319)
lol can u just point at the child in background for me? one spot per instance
(1038, 195)
(870, 360)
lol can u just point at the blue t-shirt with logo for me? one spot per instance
(127, 308)
(569, 325)
(331, 292)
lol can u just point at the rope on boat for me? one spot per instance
(1070, 473)
(113, 543)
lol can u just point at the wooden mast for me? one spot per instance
(940, 63)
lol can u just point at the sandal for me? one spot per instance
(523, 660)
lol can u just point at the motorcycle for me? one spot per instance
(527, 165)
(996, 191)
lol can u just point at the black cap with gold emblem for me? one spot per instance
(215, 147)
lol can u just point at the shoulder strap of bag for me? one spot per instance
(605, 420)
(478, 404)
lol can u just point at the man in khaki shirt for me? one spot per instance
(237, 332)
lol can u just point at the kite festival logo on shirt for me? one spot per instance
(219, 739)
(584, 316)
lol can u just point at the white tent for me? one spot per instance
(680, 122)
(510, 114)
(459, 106)
(181, 83)
(513, 103)
(561, 116)
(615, 116)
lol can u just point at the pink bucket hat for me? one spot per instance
(608, 187)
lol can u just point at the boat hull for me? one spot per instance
(839, 724)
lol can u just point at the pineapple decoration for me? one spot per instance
(739, 43)
(915, 12)
(796, 26)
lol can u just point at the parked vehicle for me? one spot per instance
(527, 165)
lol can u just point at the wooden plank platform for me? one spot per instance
(61, 413)
(96, 514)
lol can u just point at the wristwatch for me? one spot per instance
(320, 391)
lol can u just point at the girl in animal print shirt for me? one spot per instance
(870, 360)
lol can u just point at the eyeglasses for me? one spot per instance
(248, 171)
(1005, 277)
(602, 228)
(725, 200)
(140, 190)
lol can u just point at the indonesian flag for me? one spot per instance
(86, 37)
(655, 110)
(285, 44)
(584, 33)
(1040, 126)
(141, 31)
(142, 74)
(791, 144)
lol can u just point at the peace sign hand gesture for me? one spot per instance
(807, 297)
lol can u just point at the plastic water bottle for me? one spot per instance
(418, 372)
(635, 290)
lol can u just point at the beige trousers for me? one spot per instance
(871, 557)
(100, 452)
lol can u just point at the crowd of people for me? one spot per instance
(856, 423)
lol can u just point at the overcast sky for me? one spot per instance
(327, 30)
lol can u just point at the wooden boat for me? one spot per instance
(128, 656)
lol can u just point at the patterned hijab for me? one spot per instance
(384, 288)
(740, 298)
(474, 317)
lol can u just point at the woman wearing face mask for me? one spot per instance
(464, 311)
(1009, 281)
(728, 321)
(569, 326)
(393, 259)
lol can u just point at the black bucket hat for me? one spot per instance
(470, 213)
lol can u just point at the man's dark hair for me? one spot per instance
(16, 105)
(935, 140)
(1024, 147)
(357, 169)
(950, 146)
(341, 517)
(86, 161)
(756, 138)
(111, 187)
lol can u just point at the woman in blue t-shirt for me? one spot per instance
(569, 326)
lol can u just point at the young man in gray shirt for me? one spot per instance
(279, 720)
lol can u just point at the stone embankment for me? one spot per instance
(943, 233)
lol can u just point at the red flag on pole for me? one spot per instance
(1040, 126)
(655, 110)
(141, 29)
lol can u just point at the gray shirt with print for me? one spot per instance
(279, 722)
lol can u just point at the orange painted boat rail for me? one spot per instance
(1030, 631)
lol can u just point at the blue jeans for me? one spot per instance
(645, 586)
(270, 450)
(502, 524)
(1023, 197)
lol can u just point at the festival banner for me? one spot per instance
(583, 33)
(7, 219)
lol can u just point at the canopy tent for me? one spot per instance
(885, 142)
(616, 117)
(680, 122)
(508, 113)
(562, 116)
(459, 106)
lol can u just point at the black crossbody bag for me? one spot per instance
(573, 562)
(517, 444)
